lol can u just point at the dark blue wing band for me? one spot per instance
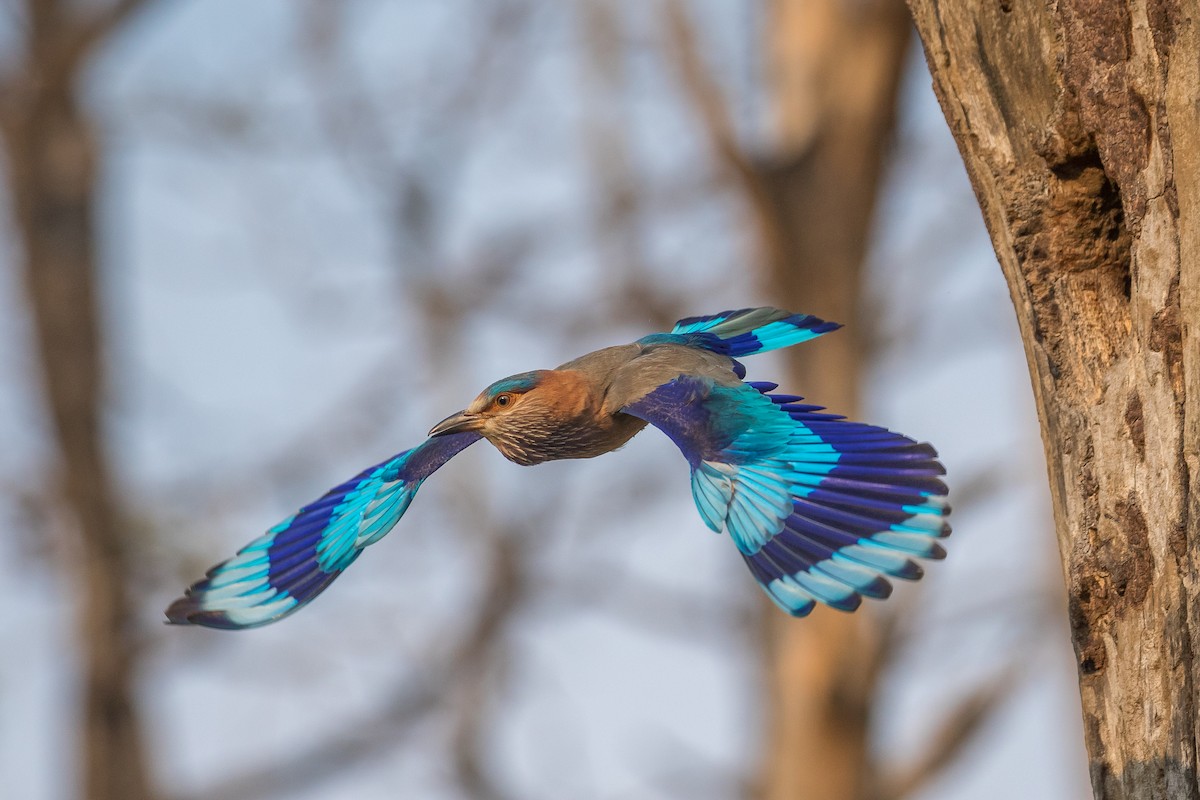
(294, 561)
(821, 508)
(744, 332)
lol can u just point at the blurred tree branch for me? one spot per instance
(812, 207)
(710, 107)
(52, 173)
(416, 181)
(835, 70)
(622, 209)
(415, 193)
(336, 751)
(958, 729)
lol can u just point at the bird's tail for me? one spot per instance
(748, 331)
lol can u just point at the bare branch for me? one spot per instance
(472, 726)
(702, 90)
(958, 730)
(658, 609)
(356, 125)
(51, 175)
(59, 44)
(400, 712)
(706, 99)
(105, 22)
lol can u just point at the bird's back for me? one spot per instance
(653, 365)
(600, 365)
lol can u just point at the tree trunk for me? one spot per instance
(1079, 125)
(834, 73)
(51, 165)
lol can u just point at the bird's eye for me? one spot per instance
(503, 399)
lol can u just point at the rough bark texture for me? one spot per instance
(51, 165)
(834, 71)
(1079, 126)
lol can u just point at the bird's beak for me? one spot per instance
(462, 421)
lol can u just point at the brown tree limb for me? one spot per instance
(104, 22)
(52, 157)
(811, 207)
(473, 723)
(834, 72)
(61, 39)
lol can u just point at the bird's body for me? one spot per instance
(565, 418)
(821, 508)
(576, 411)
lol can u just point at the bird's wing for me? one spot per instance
(744, 332)
(294, 561)
(821, 508)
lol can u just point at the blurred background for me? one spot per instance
(250, 248)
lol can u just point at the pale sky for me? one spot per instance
(252, 288)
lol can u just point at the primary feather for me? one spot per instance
(293, 562)
(822, 510)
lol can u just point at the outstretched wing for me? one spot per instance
(821, 508)
(294, 561)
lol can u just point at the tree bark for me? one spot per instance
(834, 74)
(1079, 125)
(51, 165)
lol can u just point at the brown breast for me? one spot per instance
(563, 418)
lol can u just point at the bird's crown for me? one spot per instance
(514, 384)
(500, 394)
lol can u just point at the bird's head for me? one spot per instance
(497, 407)
(531, 417)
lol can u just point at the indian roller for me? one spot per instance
(820, 508)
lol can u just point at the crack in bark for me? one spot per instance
(1135, 424)
(1166, 337)
(1073, 249)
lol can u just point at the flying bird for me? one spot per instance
(821, 509)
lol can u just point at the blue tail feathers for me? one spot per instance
(744, 332)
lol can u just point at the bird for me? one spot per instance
(823, 510)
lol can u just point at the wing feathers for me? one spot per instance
(293, 562)
(822, 509)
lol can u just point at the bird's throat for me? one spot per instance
(552, 439)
